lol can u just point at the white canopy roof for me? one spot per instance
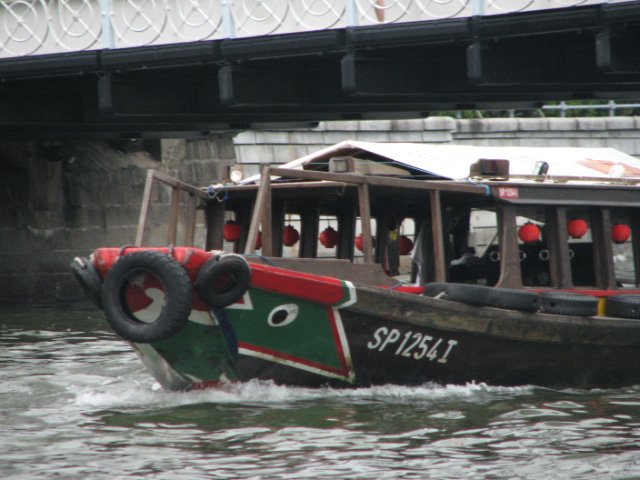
(453, 161)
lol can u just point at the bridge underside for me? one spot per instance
(386, 71)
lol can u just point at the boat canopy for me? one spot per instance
(454, 161)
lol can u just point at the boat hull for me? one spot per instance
(395, 338)
(301, 329)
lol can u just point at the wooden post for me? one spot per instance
(438, 237)
(215, 225)
(309, 220)
(559, 260)
(144, 209)
(190, 219)
(510, 273)
(603, 261)
(346, 230)
(634, 222)
(261, 214)
(174, 210)
(365, 220)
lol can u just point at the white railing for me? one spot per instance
(29, 27)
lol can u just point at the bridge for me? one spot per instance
(163, 68)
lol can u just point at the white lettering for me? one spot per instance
(424, 347)
(404, 342)
(414, 345)
(393, 337)
(443, 359)
(377, 338)
(418, 337)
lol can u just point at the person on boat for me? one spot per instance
(469, 257)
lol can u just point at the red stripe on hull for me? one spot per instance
(314, 288)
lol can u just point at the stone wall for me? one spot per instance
(59, 200)
(280, 146)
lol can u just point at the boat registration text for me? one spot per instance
(411, 344)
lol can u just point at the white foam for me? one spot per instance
(137, 395)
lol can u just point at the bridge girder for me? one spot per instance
(387, 71)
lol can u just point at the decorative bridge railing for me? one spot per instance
(30, 27)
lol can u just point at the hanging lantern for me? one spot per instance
(231, 231)
(529, 233)
(328, 237)
(359, 242)
(259, 241)
(405, 245)
(290, 236)
(620, 233)
(577, 228)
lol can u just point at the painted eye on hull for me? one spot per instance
(282, 315)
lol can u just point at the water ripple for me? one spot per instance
(76, 403)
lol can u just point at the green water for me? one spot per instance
(75, 402)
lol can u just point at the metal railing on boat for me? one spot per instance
(177, 189)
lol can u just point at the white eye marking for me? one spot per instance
(283, 315)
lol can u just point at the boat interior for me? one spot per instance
(390, 230)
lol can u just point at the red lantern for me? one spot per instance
(231, 231)
(529, 233)
(405, 245)
(360, 242)
(577, 228)
(620, 233)
(290, 236)
(328, 237)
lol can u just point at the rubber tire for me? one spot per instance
(89, 279)
(481, 295)
(569, 303)
(234, 268)
(459, 292)
(623, 306)
(514, 299)
(433, 289)
(178, 293)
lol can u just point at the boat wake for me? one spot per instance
(255, 392)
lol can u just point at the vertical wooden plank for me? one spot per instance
(559, 259)
(214, 214)
(365, 220)
(510, 272)
(144, 208)
(346, 232)
(438, 237)
(309, 220)
(174, 210)
(261, 208)
(243, 217)
(190, 219)
(277, 226)
(634, 222)
(603, 260)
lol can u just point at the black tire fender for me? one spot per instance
(177, 302)
(89, 279)
(435, 289)
(481, 295)
(223, 281)
(623, 306)
(569, 303)
(459, 292)
(514, 299)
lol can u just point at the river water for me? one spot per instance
(75, 402)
